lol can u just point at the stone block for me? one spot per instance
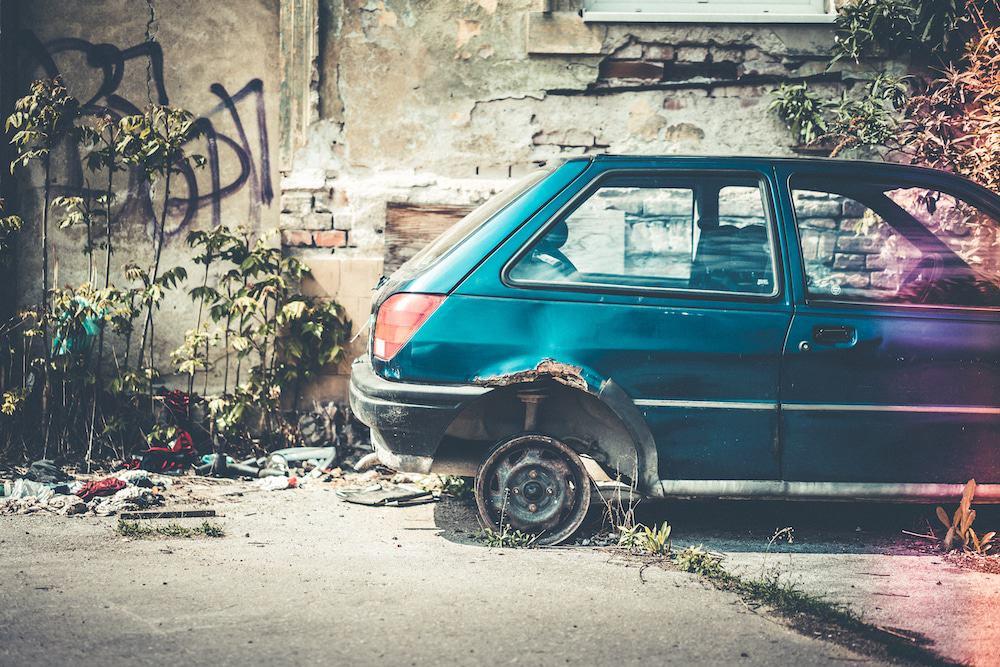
(817, 208)
(859, 244)
(658, 52)
(820, 223)
(692, 54)
(847, 262)
(855, 280)
(876, 262)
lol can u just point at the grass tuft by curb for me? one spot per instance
(138, 530)
(812, 615)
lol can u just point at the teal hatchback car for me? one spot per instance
(697, 327)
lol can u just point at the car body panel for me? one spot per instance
(910, 397)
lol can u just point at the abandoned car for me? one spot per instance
(697, 326)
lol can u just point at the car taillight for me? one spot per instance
(398, 319)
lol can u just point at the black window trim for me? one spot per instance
(958, 189)
(586, 192)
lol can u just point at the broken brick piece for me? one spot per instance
(296, 237)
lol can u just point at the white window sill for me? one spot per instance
(672, 17)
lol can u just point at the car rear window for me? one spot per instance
(465, 227)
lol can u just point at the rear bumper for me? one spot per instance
(407, 419)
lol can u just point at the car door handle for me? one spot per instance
(831, 335)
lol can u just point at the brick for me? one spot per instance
(296, 238)
(298, 203)
(631, 69)
(317, 220)
(330, 238)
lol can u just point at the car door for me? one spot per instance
(891, 369)
(669, 283)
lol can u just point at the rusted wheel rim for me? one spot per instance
(535, 484)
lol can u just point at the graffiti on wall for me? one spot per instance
(236, 112)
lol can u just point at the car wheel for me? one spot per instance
(535, 484)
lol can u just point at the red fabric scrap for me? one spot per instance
(101, 487)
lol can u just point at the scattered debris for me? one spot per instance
(276, 483)
(100, 487)
(388, 495)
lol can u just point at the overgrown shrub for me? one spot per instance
(80, 377)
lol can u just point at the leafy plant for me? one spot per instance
(929, 31)
(642, 539)
(959, 525)
(40, 121)
(154, 142)
(505, 538)
(9, 226)
(456, 487)
(864, 27)
(699, 561)
(802, 110)
(869, 120)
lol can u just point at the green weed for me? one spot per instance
(139, 530)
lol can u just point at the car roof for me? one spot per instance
(722, 160)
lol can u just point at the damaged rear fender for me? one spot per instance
(639, 451)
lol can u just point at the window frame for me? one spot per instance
(958, 188)
(642, 12)
(768, 201)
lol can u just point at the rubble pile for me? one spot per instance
(48, 488)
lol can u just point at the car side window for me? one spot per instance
(704, 235)
(891, 244)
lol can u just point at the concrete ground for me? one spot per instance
(302, 577)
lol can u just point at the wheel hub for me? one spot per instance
(532, 489)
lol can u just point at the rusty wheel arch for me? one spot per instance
(601, 422)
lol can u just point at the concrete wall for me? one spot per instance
(440, 102)
(216, 59)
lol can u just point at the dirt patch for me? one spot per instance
(989, 564)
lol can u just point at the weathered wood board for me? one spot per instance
(409, 227)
